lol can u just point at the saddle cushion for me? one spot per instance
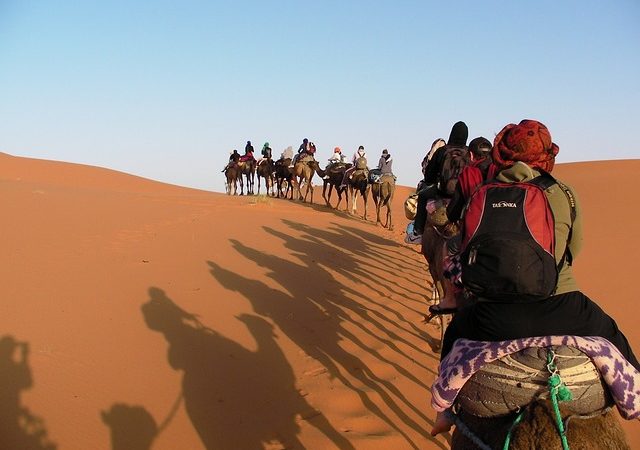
(513, 381)
(469, 357)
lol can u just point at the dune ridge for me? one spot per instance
(170, 317)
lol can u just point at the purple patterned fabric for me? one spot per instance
(467, 357)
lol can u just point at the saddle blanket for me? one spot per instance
(467, 357)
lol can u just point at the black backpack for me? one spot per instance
(453, 161)
(508, 241)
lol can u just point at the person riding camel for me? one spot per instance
(524, 156)
(425, 161)
(336, 158)
(248, 153)
(233, 159)
(480, 170)
(287, 153)
(265, 153)
(266, 150)
(359, 162)
(432, 183)
(385, 164)
(302, 150)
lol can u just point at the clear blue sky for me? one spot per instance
(166, 90)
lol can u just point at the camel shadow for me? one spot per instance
(320, 313)
(236, 398)
(19, 428)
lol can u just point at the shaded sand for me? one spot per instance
(173, 318)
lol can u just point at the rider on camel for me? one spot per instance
(359, 157)
(233, 159)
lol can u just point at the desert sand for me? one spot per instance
(140, 315)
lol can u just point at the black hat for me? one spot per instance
(385, 152)
(459, 134)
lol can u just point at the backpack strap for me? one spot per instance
(545, 180)
(572, 207)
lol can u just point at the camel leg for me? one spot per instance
(364, 200)
(290, 189)
(389, 224)
(300, 196)
(346, 199)
(354, 201)
(309, 189)
(324, 192)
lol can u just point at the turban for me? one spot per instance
(529, 142)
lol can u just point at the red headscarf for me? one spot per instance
(529, 142)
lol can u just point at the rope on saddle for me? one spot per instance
(460, 425)
(516, 422)
(559, 392)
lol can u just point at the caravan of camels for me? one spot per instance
(292, 173)
(518, 367)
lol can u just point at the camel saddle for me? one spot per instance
(490, 379)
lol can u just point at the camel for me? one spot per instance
(232, 173)
(359, 184)
(248, 169)
(303, 171)
(283, 173)
(334, 175)
(382, 193)
(538, 430)
(265, 170)
(433, 248)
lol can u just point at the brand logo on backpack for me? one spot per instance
(504, 204)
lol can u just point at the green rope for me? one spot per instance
(516, 421)
(559, 392)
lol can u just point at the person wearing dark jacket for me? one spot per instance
(480, 150)
(233, 159)
(457, 138)
(385, 163)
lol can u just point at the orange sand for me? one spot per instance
(205, 321)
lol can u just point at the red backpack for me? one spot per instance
(508, 241)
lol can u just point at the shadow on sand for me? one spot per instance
(236, 398)
(320, 313)
(19, 428)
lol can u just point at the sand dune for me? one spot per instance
(172, 318)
